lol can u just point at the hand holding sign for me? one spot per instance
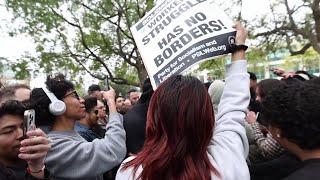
(242, 33)
(178, 34)
(241, 37)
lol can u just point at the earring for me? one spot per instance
(278, 135)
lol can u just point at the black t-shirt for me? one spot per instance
(19, 172)
(134, 123)
(309, 169)
(275, 169)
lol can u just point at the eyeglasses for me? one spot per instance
(73, 94)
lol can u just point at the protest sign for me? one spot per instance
(177, 34)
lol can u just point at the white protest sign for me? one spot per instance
(177, 34)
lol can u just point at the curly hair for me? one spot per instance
(59, 86)
(294, 109)
(315, 81)
(39, 101)
(266, 86)
(93, 87)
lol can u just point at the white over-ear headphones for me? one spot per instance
(56, 107)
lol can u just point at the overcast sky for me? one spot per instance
(12, 47)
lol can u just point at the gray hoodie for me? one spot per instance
(72, 157)
(228, 147)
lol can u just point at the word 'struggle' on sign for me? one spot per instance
(177, 34)
(163, 19)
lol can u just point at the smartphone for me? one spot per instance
(29, 122)
(106, 84)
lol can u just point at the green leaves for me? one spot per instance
(216, 67)
(83, 36)
(125, 70)
(310, 59)
(2, 64)
(287, 23)
(22, 70)
(256, 55)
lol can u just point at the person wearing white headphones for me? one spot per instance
(58, 106)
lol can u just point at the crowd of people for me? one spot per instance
(237, 129)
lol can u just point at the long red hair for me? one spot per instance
(179, 127)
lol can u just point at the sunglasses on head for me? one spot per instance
(73, 94)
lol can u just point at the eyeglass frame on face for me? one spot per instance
(72, 92)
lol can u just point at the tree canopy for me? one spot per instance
(91, 36)
(294, 25)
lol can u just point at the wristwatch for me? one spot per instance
(236, 47)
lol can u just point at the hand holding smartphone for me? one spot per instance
(106, 84)
(29, 121)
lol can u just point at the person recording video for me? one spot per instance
(58, 106)
(21, 156)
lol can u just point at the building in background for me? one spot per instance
(310, 62)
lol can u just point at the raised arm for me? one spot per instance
(229, 144)
(73, 158)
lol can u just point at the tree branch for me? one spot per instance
(97, 58)
(297, 8)
(118, 25)
(301, 51)
(316, 14)
(108, 19)
(280, 30)
(63, 18)
(239, 18)
(96, 12)
(138, 8)
(293, 25)
(74, 56)
(121, 53)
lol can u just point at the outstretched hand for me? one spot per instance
(282, 73)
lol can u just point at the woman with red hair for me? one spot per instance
(183, 140)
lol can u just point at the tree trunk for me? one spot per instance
(142, 74)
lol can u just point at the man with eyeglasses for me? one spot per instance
(84, 125)
(71, 156)
(100, 128)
